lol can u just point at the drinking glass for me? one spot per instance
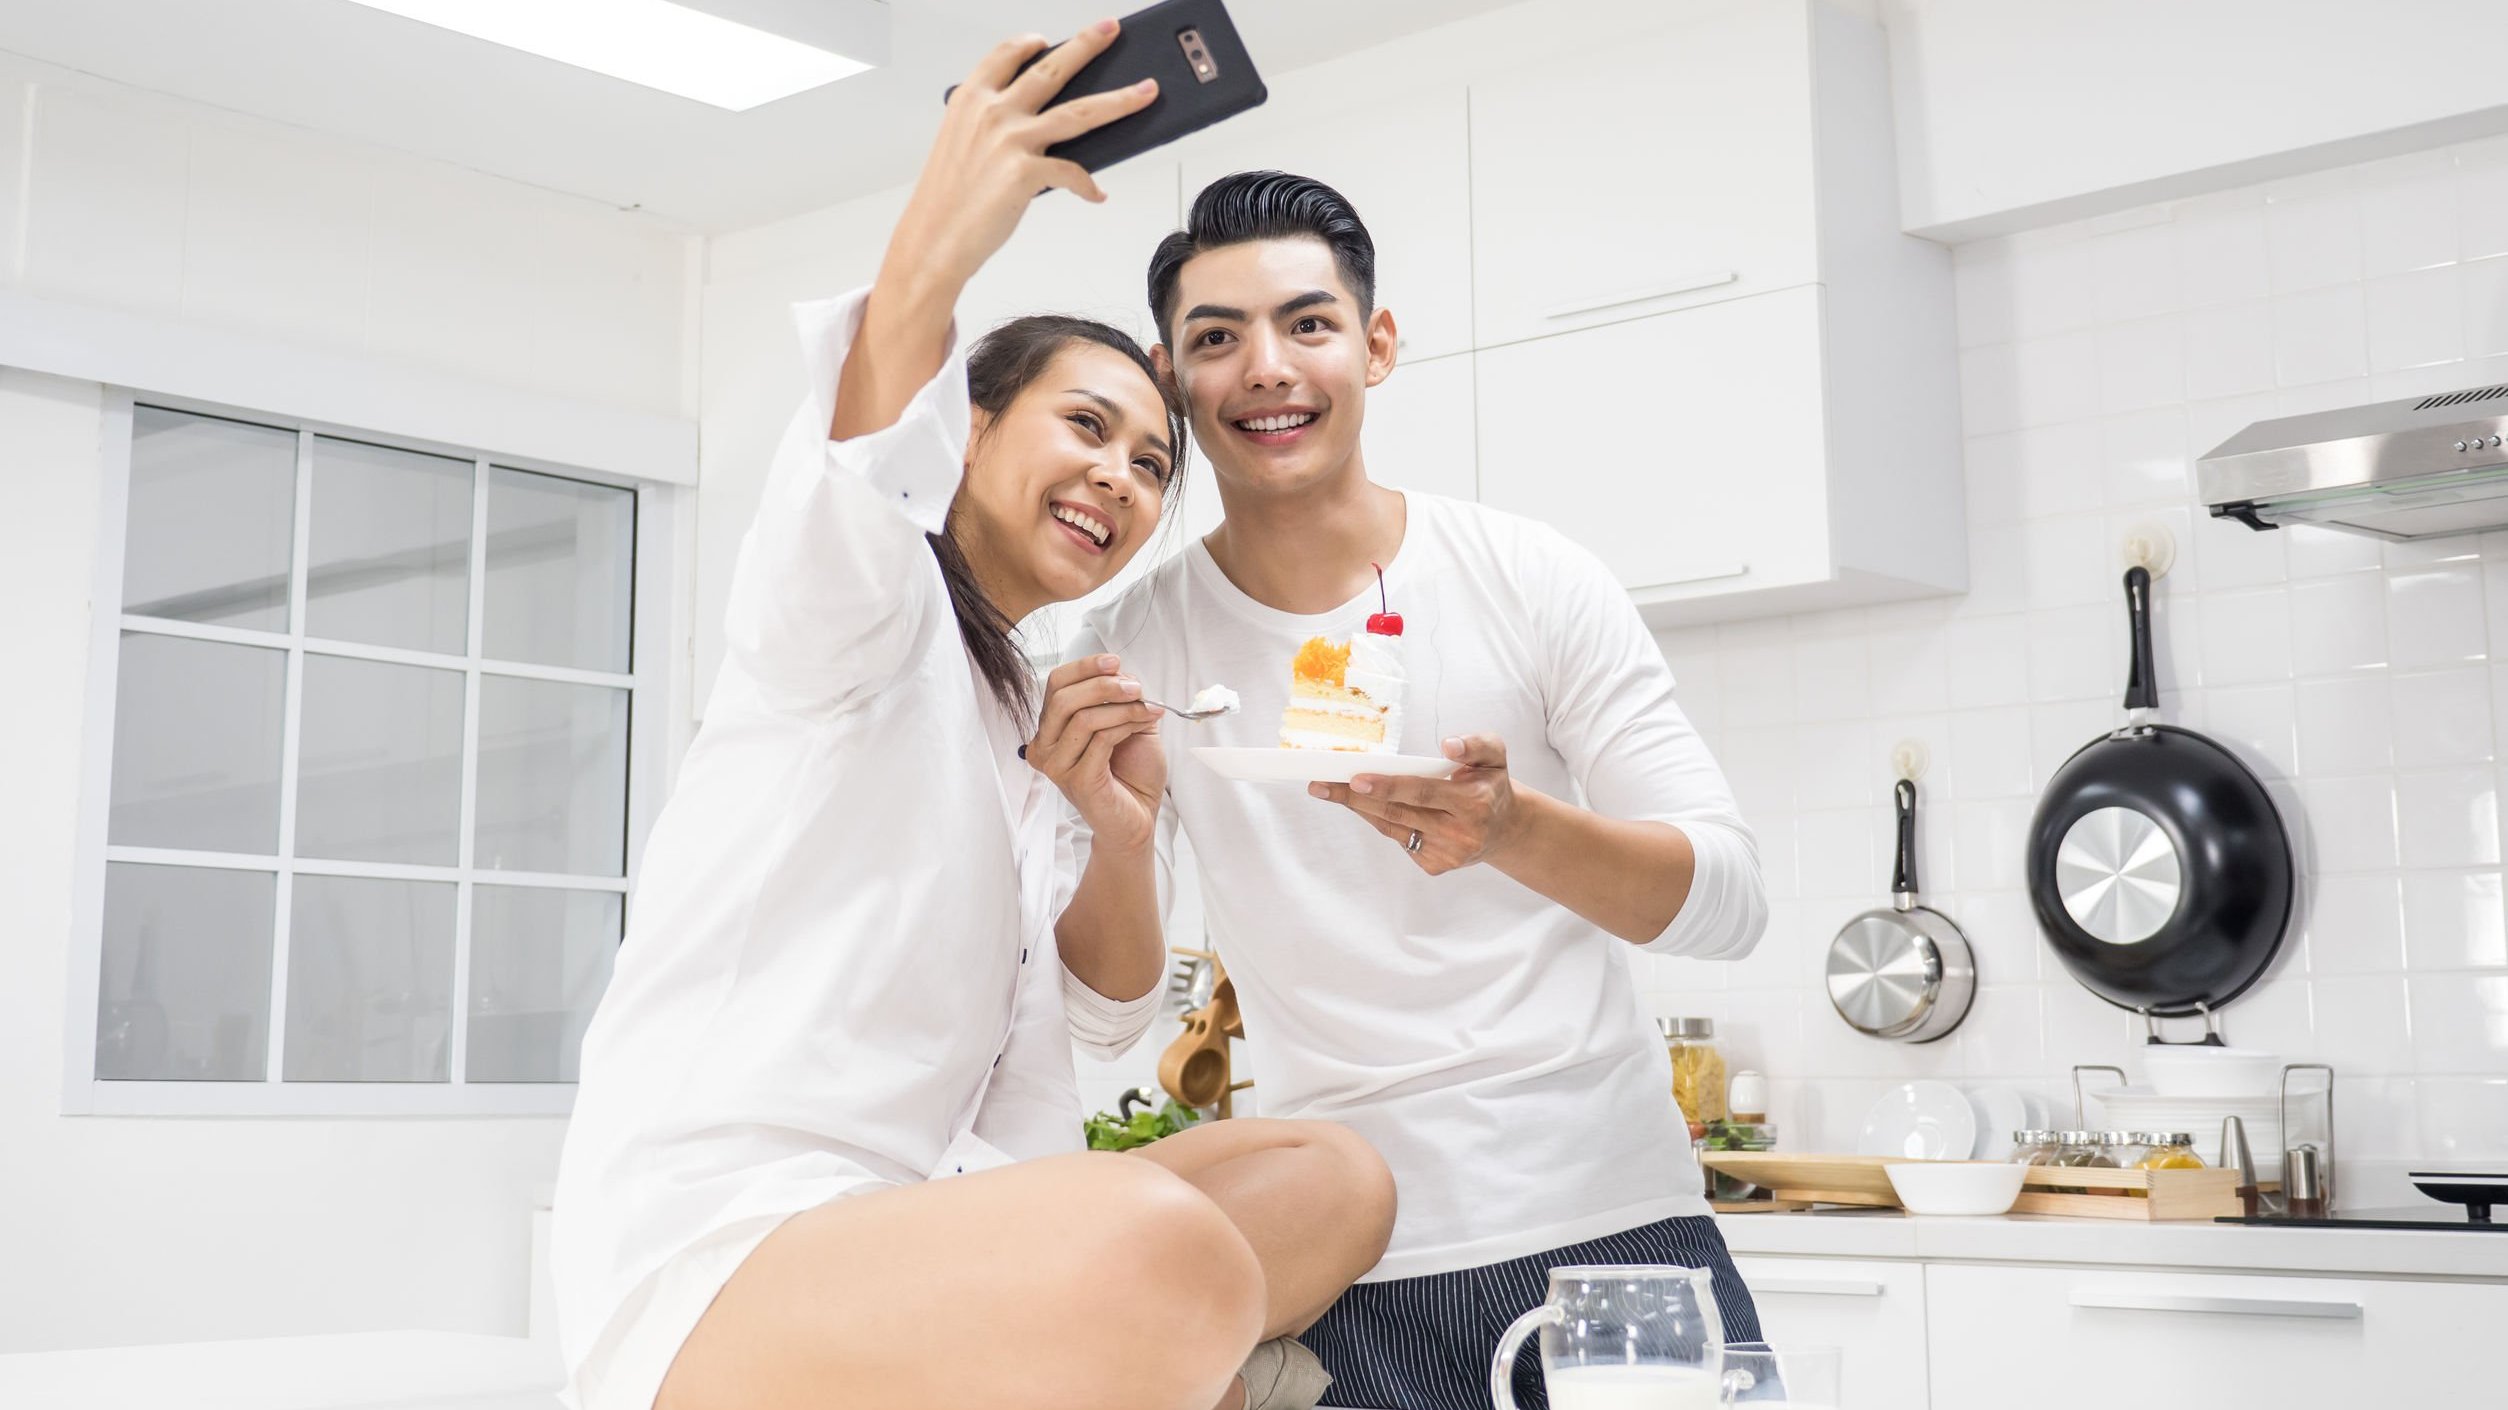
(1766, 1377)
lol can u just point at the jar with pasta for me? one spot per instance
(1697, 1070)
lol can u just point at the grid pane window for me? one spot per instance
(561, 568)
(539, 959)
(370, 981)
(390, 548)
(213, 515)
(379, 771)
(186, 991)
(367, 819)
(198, 732)
(552, 777)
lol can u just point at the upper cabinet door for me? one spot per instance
(1669, 169)
(1404, 164)
(1684, 449)
(1419, 431)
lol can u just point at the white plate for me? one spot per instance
(1315, 765)
(1920, 1121)
(2000, 1112)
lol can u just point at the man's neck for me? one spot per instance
(1309, 552)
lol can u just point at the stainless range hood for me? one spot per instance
(2419, 468)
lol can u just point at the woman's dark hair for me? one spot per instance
(1265, 205)
(1000, 366)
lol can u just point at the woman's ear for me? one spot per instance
(979, 421)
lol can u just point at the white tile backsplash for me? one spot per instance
(2319, 336)
(2366, 684)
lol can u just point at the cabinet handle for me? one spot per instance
(1707, 574)
(1816, 1287)
(1687, 283)
(2330, 1309)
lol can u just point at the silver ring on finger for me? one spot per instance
(1412, 846)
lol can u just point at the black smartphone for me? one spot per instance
(1203, 72)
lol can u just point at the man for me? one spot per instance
(1433, 962)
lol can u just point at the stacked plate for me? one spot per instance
(1937, 1121)
(2140, 1109)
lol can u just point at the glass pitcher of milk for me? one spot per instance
(1629, 1337)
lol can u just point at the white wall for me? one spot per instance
(122, 1231)
(2020, 113)
(2367, 684)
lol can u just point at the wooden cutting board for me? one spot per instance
(1827, 1179)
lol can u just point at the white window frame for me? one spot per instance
(652, 731)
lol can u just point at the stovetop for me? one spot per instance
(2422, 1217)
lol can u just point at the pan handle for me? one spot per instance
(2142, 680)
(1903, 871)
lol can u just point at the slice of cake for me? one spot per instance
(1348, 697)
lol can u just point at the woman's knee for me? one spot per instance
(1362, 1178)
(1202, 1282)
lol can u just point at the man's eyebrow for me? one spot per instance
(1157, 442)
(1236, 315)
(1306, 301)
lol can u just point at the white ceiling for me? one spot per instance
(359, 73)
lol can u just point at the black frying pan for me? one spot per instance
(2158, 867)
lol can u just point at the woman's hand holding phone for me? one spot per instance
(987, 163)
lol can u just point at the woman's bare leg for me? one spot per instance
(1313, 1199)
(1078, 1282)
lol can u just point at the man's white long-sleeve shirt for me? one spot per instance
(1486, 1039)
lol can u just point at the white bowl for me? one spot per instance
(1956, 1186)
(2190, 1070)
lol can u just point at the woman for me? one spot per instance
(844, 977)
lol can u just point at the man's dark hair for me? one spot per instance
(1265, 205)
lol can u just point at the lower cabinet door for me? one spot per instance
(2084, 1339)
(1874, 1310)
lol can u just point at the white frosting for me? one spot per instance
(1376, 672)
(1337, 743)
(1213, 697)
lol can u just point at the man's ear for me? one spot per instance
(1166, 365)
(1384, 345)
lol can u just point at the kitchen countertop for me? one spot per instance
(2031, 1238)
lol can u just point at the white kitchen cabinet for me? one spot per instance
(1654, 170)
(1404, 163)
(1783, 440)
(1873, 1309)
(2090, 1339)
(1419, 431)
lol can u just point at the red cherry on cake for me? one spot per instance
(1383, 623)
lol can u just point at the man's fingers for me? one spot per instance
(1402, 815)
(1046, 76)
(1478, 751)
(1433, 793)
(1069, 120)
(996, 69)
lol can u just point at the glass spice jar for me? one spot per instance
(2079, 1150)
(2168, 1150)
(1697, 1070)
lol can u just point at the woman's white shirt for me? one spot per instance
(839, 971)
